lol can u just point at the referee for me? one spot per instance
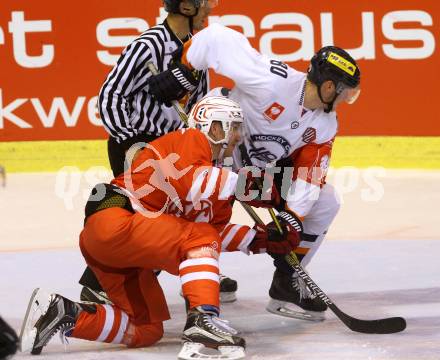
(131, 115)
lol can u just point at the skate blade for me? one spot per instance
(37, 307)
(227, 297)
(191, 351)
(292, 311)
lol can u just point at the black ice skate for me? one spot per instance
(204, 329)
(92, 291)
(55, 312)
(290, 297)
(228, 289)
(90, 295)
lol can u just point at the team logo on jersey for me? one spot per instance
(273, 138)
(309, 135)
(263, 154)
(295, 125)
(274, 111)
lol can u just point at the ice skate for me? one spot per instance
(204, 330)
(45, 316)
(228, 289)
(37, 307)
(90, 295)
(290, 297)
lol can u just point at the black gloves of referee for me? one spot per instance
(172, 84)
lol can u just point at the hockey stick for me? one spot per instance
(175, 103)
(247, 161)
(380, 326)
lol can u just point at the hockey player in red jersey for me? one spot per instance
(170, 211)
(130, 114)
(290, 121)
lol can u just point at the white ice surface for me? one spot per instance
(367, 279)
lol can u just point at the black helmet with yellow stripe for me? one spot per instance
(334, 64)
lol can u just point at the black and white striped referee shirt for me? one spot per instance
(126, 107)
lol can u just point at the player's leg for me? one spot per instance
(139, 307)
(92, 290)
(289, 295)
(199, 275)
(132, 320)
(177, 246)
(121, 323)
(115, 244)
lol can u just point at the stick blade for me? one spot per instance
(380, 326)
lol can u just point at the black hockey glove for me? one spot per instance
(8, 340)
(172, 84)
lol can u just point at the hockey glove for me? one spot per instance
(268, 195)
(8, 340)
(172, 84)
(268, 239)
(290, 219)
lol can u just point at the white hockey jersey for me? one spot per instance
(271, 94)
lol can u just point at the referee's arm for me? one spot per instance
(128, 76)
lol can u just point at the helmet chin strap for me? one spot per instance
(224, 145)
(329, 103)
(221, 154)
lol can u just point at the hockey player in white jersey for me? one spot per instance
(290, 120)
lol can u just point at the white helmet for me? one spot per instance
(215, 108)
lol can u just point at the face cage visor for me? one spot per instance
(348, 94)
(229, 128)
